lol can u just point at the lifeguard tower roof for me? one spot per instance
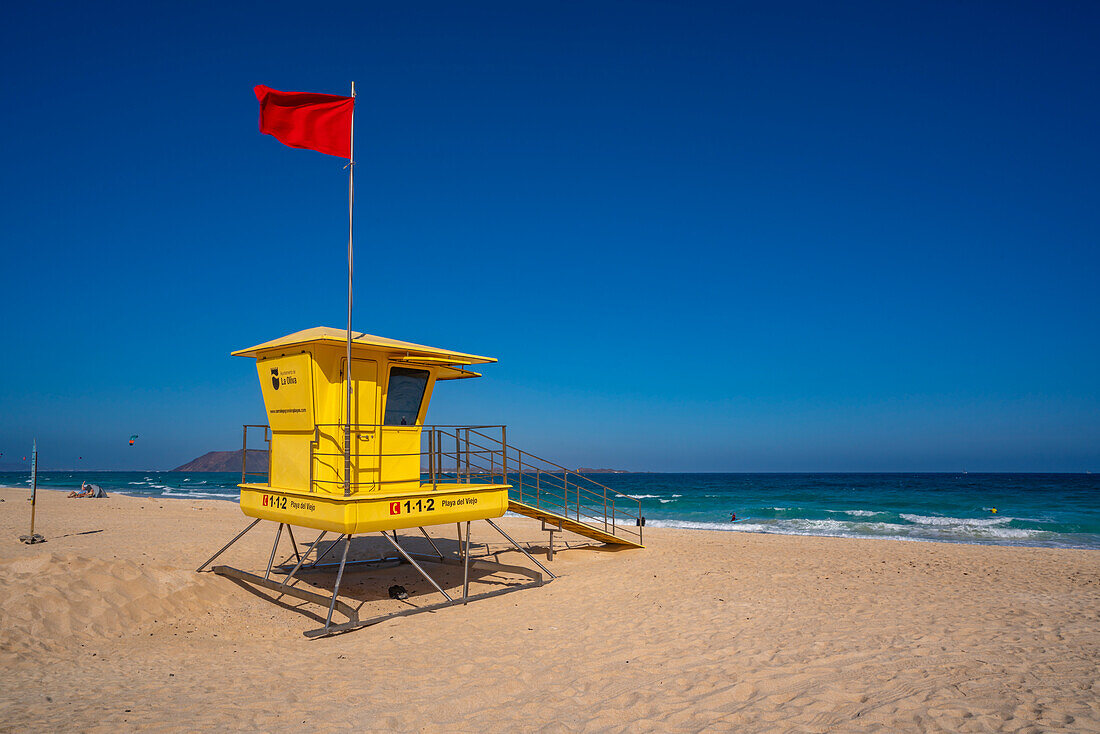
(406, 351)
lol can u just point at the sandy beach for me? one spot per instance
(106, 627)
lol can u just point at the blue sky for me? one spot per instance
(728, 237)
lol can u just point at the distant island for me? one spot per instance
(227, 461)
(589, 470)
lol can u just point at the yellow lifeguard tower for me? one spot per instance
(377, 484)
(364, 462)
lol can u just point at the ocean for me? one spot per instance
(1051, 510)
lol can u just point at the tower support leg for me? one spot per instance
(293, 542)
(302, 559)
(416, 565)
(225, 547)
(271, 560)
(328, 550)
(339, 576)
(436, 547)
(466, 566)
(521, 548)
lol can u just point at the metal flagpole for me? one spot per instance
(347, 376)
(33, 537)
(34, 483)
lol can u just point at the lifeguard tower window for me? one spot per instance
(404, 395)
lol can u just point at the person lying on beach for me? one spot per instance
(89, 490)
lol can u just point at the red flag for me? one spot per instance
(320, 122)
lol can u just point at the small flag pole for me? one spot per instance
(351, 200)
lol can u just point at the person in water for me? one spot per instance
(733, 517)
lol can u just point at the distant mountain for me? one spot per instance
(227, 461)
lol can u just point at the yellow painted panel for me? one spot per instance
(317, 511)
(401, 462)
(290, 460)
(427, 507)
(328, 375)
(287, 386)
(364, 413)
(365, 514)
(328, 460)
(364, 384)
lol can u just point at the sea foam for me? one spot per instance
(976, 522)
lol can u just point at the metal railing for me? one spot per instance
(452, 454)
(482, 453)
(244, 454)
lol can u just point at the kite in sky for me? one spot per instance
(133, 438)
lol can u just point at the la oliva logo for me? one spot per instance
(287, 378)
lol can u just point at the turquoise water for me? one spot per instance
(188, 485)
(1059, 510)
(1056, 510)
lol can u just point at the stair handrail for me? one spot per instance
(559, 466)
(584, 511)
(565, 474)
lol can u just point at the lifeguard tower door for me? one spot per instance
(406, 399)
(364, 428)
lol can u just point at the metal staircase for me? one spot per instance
(541, 489)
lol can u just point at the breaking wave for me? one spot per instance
(958, 530)
(976, 522)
